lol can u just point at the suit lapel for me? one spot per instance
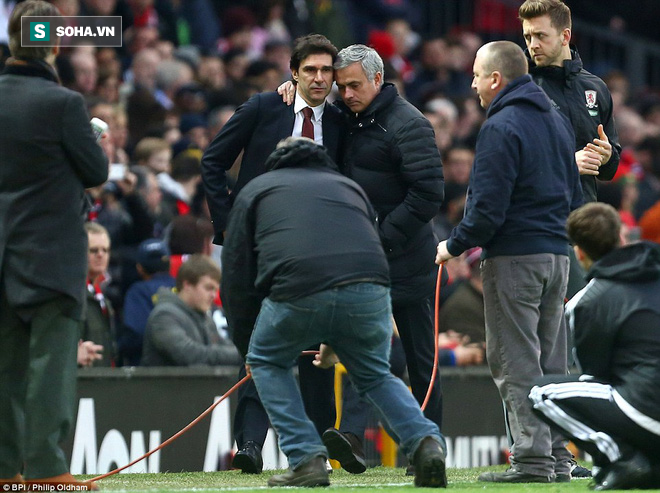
(331, 123)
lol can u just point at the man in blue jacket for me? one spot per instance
(523, 185)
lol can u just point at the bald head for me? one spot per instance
(504, 57)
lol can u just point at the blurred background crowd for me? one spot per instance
(186, 65)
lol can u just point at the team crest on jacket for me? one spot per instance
(590, 96)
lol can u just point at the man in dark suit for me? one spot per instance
(255, 129)
(48, 156)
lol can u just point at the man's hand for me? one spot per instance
(443, 254)
(601, 146)
(472, 354)
(88, 352)
(326, 357)
(288, 92)
(594, 154)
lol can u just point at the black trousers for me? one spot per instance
(587, 412)
(414, 319)
(318, 393)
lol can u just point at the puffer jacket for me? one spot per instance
(392, 154)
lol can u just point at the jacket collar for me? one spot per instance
(570, 67)
(383, 99)
(31, 68)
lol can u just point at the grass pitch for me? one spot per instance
(385, 479)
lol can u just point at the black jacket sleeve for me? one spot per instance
(240, 299)
(220, 157)
(608, 170)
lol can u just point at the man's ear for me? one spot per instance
(294, 75)
(579, 253)
(566, 37)
(496, 80)
(378, 79)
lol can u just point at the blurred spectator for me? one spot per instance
(457, 164)
(211, 73)
(193, 133)
(237, 25)
(463, 312)
(649, 223)
(171, 75)
(648, 157)
(443, 115)
(179, 330)
(179, 187)
(451, 211)
(263, 75)
(217, 119)
(85, 72)
(155, 154)
(98, 326)
(153, 265)
(432, 60)
(190, 99)
(188, 235)
(278, 52)
(197, 24)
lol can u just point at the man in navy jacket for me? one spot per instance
(523, 185)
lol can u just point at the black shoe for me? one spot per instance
(579, 472)
(311, 473)
(429, 462)
(248, 459)
(628, 474)
(346, 449)
(410, 470)
(563, 478)
(513, 476)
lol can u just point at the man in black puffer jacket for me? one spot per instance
(613, 410)
(391, 153)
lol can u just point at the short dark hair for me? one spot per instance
(595, 228)
(188, 234)
(196, 267)
(311, 44)
(34, 8)
(560, 14)
(507, 58)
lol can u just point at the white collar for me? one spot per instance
(299, 104)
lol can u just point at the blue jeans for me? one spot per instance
(356, 320)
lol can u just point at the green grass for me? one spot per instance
(390, 480)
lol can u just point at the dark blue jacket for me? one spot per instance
(138, 304)
(524, 181)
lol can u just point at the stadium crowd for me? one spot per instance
(185, 67)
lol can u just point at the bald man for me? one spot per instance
(523, 185)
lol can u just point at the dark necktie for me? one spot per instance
(308, 126)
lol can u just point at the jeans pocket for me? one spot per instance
(371, 325)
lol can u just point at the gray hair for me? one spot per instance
(370, 60)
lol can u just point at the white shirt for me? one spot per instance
(317, 119)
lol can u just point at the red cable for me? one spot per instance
(247, 377)
(179, 433)
(436, 332)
